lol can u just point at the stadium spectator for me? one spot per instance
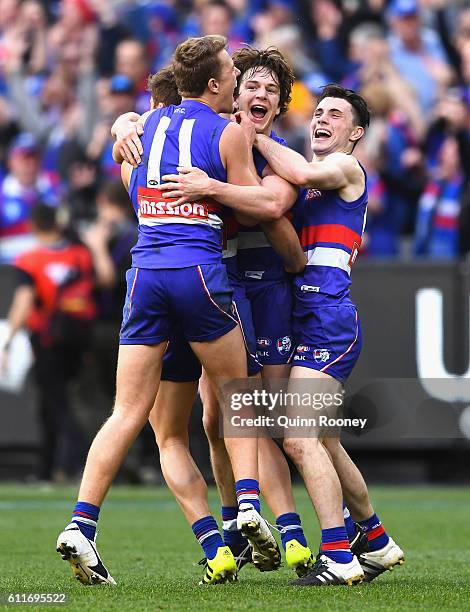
(9, 128)
(442, 225)
(54, 301)
(56, 60)
(394, 161)
(117, 98)
(20, 191)
(417, 52)
(437, 233)
(131, 61)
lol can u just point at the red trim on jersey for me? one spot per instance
(154, 196)
(231, 227)
(329, 232)
(375, 533)
(445, 222)
(340, 545)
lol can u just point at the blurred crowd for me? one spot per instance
(68, 68)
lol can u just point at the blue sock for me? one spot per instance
(208, 536)
(248, 492)
(349, 523)
(376, 534)
(335, 544)
(86, 517)
(232, 536)
(291, 528)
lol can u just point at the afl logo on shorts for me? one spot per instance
(303, 349)
(284, 345)
(321, 355)
(263, 341)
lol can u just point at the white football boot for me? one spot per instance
(83, 557)
(266, 554)
(379, 561)
(326, 572)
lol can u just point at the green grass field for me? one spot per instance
(151, 553)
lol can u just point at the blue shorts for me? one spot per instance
(180, 364)
(328, 339)
(243, 311)
(195, 301)
(272, 318)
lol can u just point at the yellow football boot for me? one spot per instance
(222, 568)
(299, 557)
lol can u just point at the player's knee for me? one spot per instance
(295, 449)
(130, 417)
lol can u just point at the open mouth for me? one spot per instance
(322, 134)
(258, 112)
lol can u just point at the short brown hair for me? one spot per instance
(162, 87)
(270, 60)
(360, 110)
(196, 62)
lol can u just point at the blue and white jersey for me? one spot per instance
(190, 234)
(330, 232)
(257, 260)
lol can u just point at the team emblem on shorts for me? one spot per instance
(263, 341)
(321, 355)
(284, 345)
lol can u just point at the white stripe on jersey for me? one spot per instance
(252, 240)
(448, 208)
(184, 142)
(364, 222)
(231, 248)
(155, 156)
(331, 257)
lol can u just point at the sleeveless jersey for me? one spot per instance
(330, 232)
(230, 245)
(190, 234)
(257, 260)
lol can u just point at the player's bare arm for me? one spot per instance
(266, 201)
(126, 172)
(281, 233)
(335, 171)
(126, 131)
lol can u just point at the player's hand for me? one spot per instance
(127, 131)
(189, 185)
(248, 127)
